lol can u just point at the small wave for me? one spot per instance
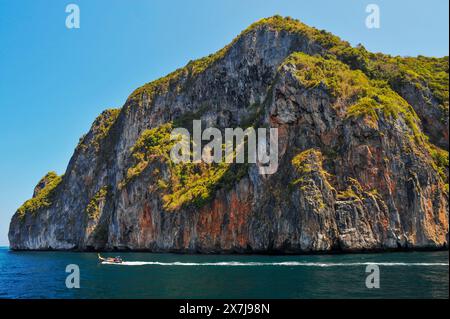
(284, 263)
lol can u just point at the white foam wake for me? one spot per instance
(283, 263)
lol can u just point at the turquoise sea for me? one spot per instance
(149, 275)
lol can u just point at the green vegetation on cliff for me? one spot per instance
(423, 72)
(440, 163)
(366, 97)
(152, 144)
(100, 129)
(352, 191)
(187, 183)
(337, 77)
(308, 166)
(307, 161)
(93, 208)
(43, 196)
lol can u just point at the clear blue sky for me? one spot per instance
(55, 81)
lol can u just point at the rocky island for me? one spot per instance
(363, 156)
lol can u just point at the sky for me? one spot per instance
(54, 81)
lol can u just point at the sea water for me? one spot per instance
(149, 275)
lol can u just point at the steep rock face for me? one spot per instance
(356, 171)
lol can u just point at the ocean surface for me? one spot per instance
(148, 275)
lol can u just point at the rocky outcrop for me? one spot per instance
(356, 170)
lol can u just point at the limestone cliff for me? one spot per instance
(363, 156)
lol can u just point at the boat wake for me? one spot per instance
(283, 263)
